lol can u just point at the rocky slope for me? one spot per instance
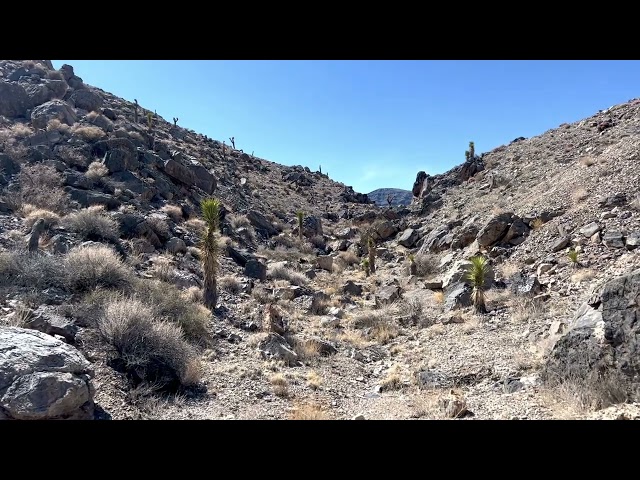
(385, 197)
(100, 228)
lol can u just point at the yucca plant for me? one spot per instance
(365, 266)
(477, 275)
(573, 256)
(413, 268)
(371, 246)
(300, 216)
(210, 250)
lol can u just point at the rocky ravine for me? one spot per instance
(99, 232)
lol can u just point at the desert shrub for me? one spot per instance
(426, 265)
(89, 267)
(21, 269)
(96, 171)
(238, 221)
(32, 214)
(318, 241)
(282, 273)
(55, 125)
(230, 284)
(174, 212)
(148, 349)
(159, 226)
(92, 224)
(171, 304)
(87, 133)
(41, 186)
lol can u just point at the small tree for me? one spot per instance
(477, 276)
(300, 215)
(175, 124)
(371, 246)
(210, 250)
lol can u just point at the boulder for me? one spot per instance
(53, 110)
(42, 378)
(86, 100)
(14, 101)
(494, 230)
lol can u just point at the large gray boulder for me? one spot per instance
(601, 343)
(42, 377)
(55, 109)
(494, 230)
(86, 100)
(14, 101)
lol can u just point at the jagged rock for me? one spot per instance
(346, 233)
(190, 174)
(47, 321)
(311, 226)
(325, 262)
(528, 285)
(7, 166)
(516, 232)
(590, 229)
(110, 114)
(86, 100)
(409, 238)
(613, 239)
(53, 110)
(428, 379)
(544, 268)
(241, 257)
(176, 245)
(387, 295)
(465, 236)
(470, 168)
(88, 198)
(385, 230)
(613, 200)
(494, 230)
(600, 344)
(255, 269)
(458, 296)
(352, 288)
(117, 160)
(632, 241)
(561, 244)
(261, 224)
(323, 347)
(42, 378)
(276, 347)
(14, 101)
(437, 240)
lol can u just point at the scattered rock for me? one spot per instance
(255, 269)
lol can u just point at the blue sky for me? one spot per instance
(368, 123)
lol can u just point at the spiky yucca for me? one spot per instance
(365, 266)
(413, 268)
(476, 275)
(371, 246)
(573, 256)
(300, 216)
(210, 250)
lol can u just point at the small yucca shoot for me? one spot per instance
(210, 250)
(365, 266)
(573, 256)
(476, 275)
(300, 216)
(413, 268)
(371, 246)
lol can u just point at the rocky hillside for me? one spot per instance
(385, 197)
(363, 312)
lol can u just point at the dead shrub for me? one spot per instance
(87, 133)
(309, 411)
(148, 349)
(229, 284)
(41, 186)
(426, 265)
(32, 214)
(96, 171)
(282, 273)
(174, 212)
(238, 221)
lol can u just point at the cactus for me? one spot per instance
(371, 246)
(210, 250)
(135, 111)
(149, 120)
(300, 216)
(175, 123)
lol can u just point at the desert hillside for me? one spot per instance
(148, 271)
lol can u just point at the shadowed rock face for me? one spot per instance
(42, 377)
(601, 342)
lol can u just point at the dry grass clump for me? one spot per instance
(309, 411)
(55, 125)
(392, 380)
(426, 264)
(308, 350)
(280, 385)
(20, 269)
(87, 133)
(238, 221)
(90, 267)
(32, 214)
(147, 348)
(379, 323)
(92, 224)
(159, 226)
(282, 273)
(96, 171)
(314, 381)
(524, 309)
(40, 186)
(174, 212)
(229, 284)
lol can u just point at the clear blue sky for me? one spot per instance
(369, 124)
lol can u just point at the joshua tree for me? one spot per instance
(371, 246)
(477, 275)
(210, 250)
(135, 111)
(471, 153)
(233, 142)
(300, 216)
(175, 123)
